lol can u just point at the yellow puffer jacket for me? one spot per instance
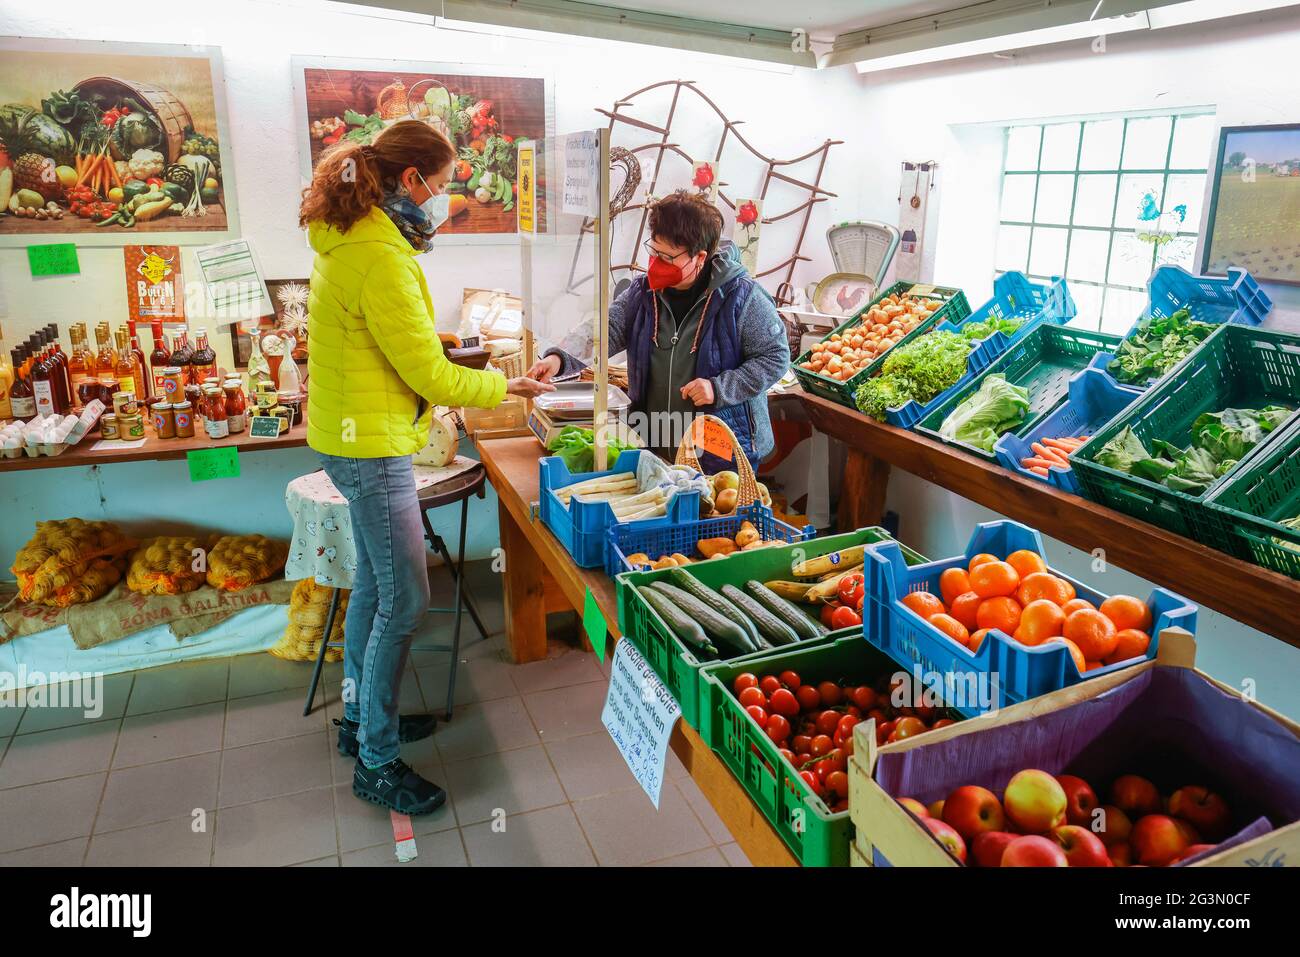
(375, 364)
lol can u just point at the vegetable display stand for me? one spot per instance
(1247, 513)
(1136, 721)
(1237, 367)
(1043, 362)
(630, 539)
(1017, 298)
(583, 527)
(981, 356)
(672, 660)
(954, 309)
(1092, 399)
(1003, 671)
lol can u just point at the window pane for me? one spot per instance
(1146, 142)
(1140, 195)
(1193, 139)
(1047, 255)
(1131, 261)
(1088, 300)
(1022, 147)
(1185, 190)
(1179, 251)
(1101, 141)
(1055, 191)
(1122, 308)
(1013, 248)
(1094, 203)
(1060, 146)
(1088, 248)
(1018, 197)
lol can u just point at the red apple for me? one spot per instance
(1121, 855)
(988, 847)
(915, 806)
(1033, 850)
(1202, 808)
(946, 836)
(971, 810)
(1190, 833)
(1035, 803)
(1135, 796)
(1082, 848)
(1157, 839)
(1112, 825)
(1080, 799)
(1192, 851)
(936, 810)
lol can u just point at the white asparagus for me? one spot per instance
(599, 484)
(638, 503)
(654, 510)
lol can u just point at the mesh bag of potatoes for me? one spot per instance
(70, 562)
(237, 561)
(308, 607)
(166, 565)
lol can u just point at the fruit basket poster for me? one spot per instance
(113, 143)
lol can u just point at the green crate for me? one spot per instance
(816, 836)
(1043, 362)
(954, 309)
(675, 663)
(1245, 512)
(1235, 367)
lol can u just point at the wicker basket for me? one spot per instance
(511, 366)
(170, 112)
(747, 493)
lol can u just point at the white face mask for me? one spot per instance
(437, 208)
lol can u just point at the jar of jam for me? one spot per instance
(173, 384)
(215, 420)
(183, 413)
(108, 426)
(164, 420)
(236, 406)
(131, 426)
(124, 403)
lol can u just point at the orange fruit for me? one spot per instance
(1093, 632)
(964, 607)
(1129, 643)
(994, 580)
(1092, 665)
(1042, 619)
(979, 560)
(1044, 585)
(1025, 638)
(999, 612)
(951, 627)
(1127, 612)
(977, 639)
(1026, 562)
(1079, 661)
(953, 582)
(924, 604)
(1074, 604)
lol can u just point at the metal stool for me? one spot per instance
(459, 488)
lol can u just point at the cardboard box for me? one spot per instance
(886, 833)
(511, 414)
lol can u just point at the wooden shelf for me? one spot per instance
(1254, 596)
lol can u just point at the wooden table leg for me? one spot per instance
(862, 491)
(525, 593)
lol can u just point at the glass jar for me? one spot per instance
(164, 420)
(184, 414)
(236, 406)
(215, 421)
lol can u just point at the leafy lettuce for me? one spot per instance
(995, 407)
(982, 330)
(917, 371)
(1158, 344)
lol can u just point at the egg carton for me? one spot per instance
(48, 434)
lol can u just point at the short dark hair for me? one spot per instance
(687, 219)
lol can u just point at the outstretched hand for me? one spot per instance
(527, 387)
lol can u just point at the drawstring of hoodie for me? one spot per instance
(699, 327)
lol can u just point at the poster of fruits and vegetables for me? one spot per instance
(109, 142)
(482, 110)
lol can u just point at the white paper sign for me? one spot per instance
(233, 278)
(581, 157)
(639, 715)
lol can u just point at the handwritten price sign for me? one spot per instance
(713, 437)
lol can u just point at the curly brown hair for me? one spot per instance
(687, 219)
(351, 178)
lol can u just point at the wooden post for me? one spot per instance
(862, 491)
(600, 347)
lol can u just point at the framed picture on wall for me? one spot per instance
(1253, 218)
(289, 297)
(482, 110)
(85, 123)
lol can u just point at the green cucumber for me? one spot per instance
(770, 628)
(681, 625)
(795, 619)
(703, 593)
(720, 629)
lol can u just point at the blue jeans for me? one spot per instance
(390, 595)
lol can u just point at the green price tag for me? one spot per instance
(213, 463)
(593, 623)
(54, 259)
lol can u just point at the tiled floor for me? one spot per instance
(212, 763)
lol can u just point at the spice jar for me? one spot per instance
(183, 412)
(215, 420)
(108, 426)
(164, 420)
(236, 406)
(124, 403)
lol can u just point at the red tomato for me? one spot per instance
(849, 590)
(778, 728)
(801, 743)
(783, 702)
(845, 728)
(844, 617)
(906, 728)
(808, 697)
(752, 696)
(822, 744)
(846, 749)
(826, 613)
(838, 759)
(787, 754)
(758, 714)
(837, 783)
(827, 722)
(831, 693)
(743, 681)
(769, 684)
(790, 680)
(942, 723)
(810, 779)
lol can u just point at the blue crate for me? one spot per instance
(1093, 399)
(583, 528)
(980, 358)
(629, 538)
(1023, 672)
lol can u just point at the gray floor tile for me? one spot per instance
(150, 793)
(163, 735)
(506, 783)
(625, 829)
(477, 679)
(409, 700)
(565, 712)
(110, 703)
(322, 862)
(362, 824)
(63, 854)
(61, 753)
(266, 717)
(590, 765)
(443, 849)
(485, 728)
(571, 667)
(547, 838)
(165, 844)
(718, 832)
(10, 715)
(261, 673)
(49, 812)
(709, 857)
(272, 768)
(279, 831)
(734, 855)
(179, 686)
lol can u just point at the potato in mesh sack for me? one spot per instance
(165, 565)
(70, 561)
(237, 561)
(308, 607)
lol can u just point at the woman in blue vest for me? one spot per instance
(700, 334)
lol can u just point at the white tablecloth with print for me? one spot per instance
(322, 546)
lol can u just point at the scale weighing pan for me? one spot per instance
(577, 400)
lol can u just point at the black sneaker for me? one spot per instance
(410, 727)
(398, 788)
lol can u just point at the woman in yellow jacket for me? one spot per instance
(376, 369)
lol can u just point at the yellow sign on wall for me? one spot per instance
(527, 190)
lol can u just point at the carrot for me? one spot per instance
(1030, 463)
(1038, 470)
(1049, 454)
(112, 171)
(1061, 445)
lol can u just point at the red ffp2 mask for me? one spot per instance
(661, 274)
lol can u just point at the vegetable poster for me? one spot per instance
(109, 142)
(482, 111)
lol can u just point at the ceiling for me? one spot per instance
(821, 18)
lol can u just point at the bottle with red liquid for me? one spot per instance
(204, 362)
(183, 355)
(159, 359)
(22, 396)
(236, 406)
(215, 420)
(45, 383)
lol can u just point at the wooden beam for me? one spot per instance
(862, 491)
